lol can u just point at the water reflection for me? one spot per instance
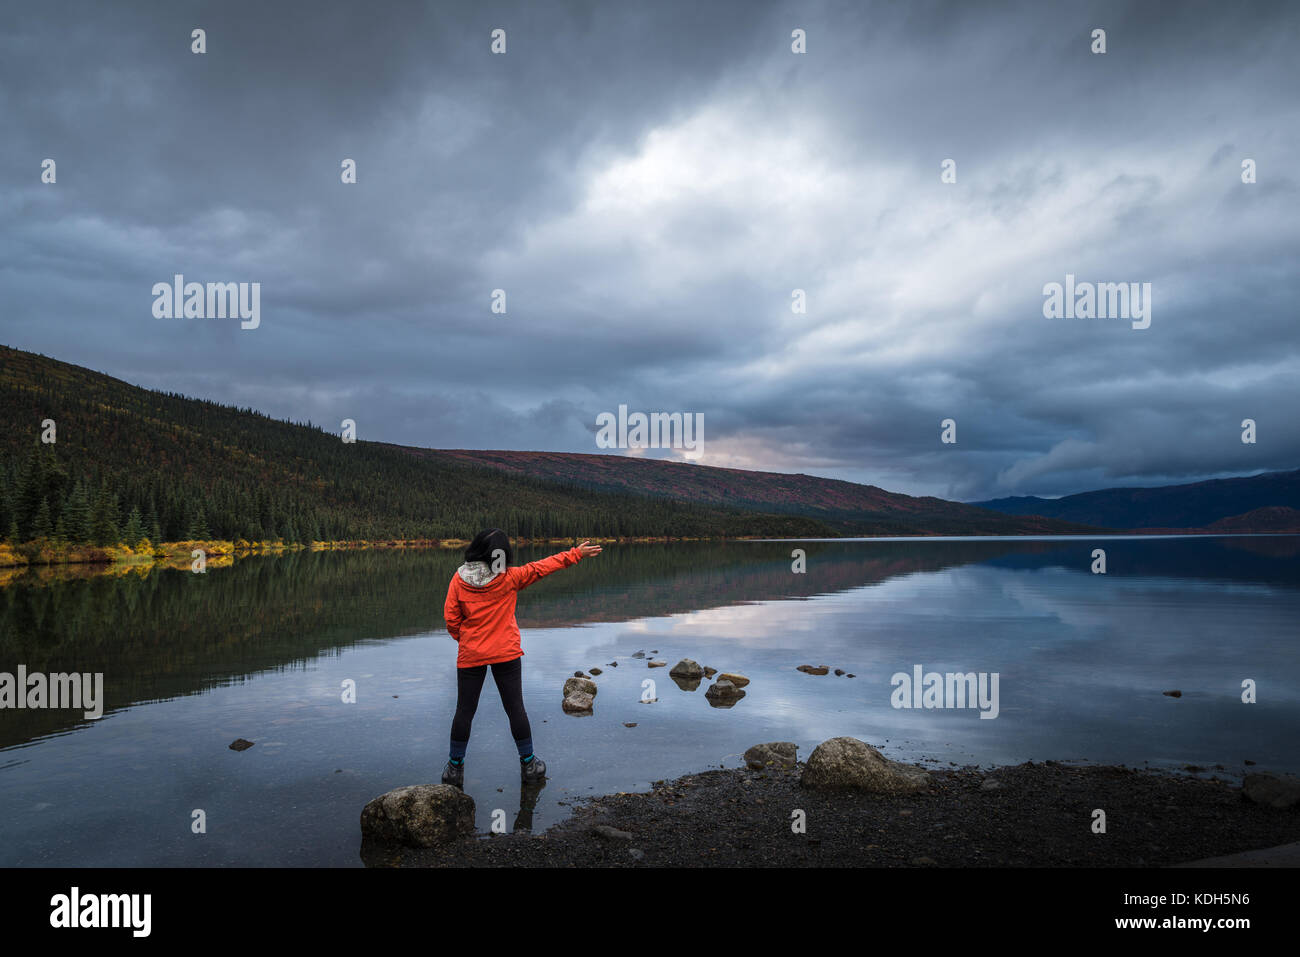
(260, 651)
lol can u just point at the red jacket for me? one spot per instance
(482, 619)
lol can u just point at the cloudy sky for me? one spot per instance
(649, 182)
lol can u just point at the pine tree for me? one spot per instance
(198, 528)
(42, 527)
(103, 529)
(134, 530)
(151, 521)
(27, 494)
(76, 514)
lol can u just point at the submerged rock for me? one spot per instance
(420, 815)
(1273, 790)
(657, 663)
(814, 669)
(709, 672)
(686, 668)
(239, 744)
(775, 753)
(638, 654)
(853, 764)
(1174, 694)
(723, 694)
(579, 674)
(735, 677)
(596, 671)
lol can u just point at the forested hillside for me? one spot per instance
(130, 463)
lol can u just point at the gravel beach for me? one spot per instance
(1032, 815)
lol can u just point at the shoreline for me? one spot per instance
(220, 553)
(1035, 815)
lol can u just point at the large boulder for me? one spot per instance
(775, 753)
(585, 685)
(1274, 790)
(420, 815)
(578, 703)
(853, 764)
(686, 668)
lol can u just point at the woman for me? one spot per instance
(480, 614)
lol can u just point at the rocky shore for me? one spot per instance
(1029, 815)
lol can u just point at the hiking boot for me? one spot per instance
(534, 770)
(454, 774)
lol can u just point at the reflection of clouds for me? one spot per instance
(1082, 661)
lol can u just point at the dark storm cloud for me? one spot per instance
(648, 183)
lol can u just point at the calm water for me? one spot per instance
(260, 651)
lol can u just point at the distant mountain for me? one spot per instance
(1244, 504)
(846, 507)
(1277, 518)
(132, 462)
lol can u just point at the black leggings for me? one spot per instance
(469, 684)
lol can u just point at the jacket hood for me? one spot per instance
(477, 574)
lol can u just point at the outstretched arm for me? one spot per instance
(525, 575)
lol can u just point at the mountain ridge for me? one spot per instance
(1185, 506)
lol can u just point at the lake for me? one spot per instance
(261, 651)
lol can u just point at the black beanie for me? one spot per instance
(487, 542)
